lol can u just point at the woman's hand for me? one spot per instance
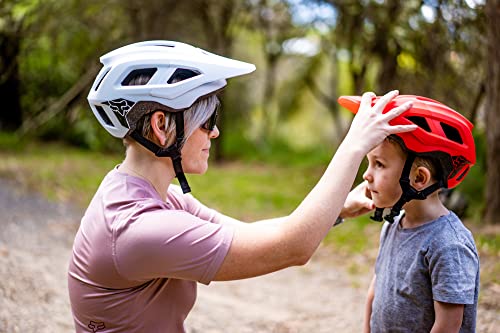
(370, 126)
(358, 202)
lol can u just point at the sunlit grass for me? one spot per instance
(58, 172)
(248, 191)
(245, 190)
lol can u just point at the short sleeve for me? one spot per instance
(190, 204)
(171, 244)
(453, 271)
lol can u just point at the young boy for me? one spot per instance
(427, 271)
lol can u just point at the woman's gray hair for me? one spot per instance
(194, 117)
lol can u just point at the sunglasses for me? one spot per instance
(209, 125)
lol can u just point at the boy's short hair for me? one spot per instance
(438, 163)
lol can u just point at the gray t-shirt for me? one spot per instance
(435, 261)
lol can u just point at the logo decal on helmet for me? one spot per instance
(458, 163)
(120, 108)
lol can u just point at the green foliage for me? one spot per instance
(355, 235)
(366, 46)
(488, 243)
(253, 191)
(11, 142)
(474, 183)
(273, 151)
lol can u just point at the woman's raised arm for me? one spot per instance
(267, 246)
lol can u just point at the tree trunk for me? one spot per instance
(216, 17)
(11, 114)
(492, 212)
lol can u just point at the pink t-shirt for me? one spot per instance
(136, 259)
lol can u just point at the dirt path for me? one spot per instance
(311, 298)
(35, 243)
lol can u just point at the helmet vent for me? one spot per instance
(463, 174)
(182, 74)
(139, 77)
(102, 78)
(103, 115)
(451, 133)
(420, 122)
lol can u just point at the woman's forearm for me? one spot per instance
(314, 217)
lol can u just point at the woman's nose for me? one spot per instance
(214, 133)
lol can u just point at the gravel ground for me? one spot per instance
(35, 245)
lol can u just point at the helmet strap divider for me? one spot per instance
(173, 151)
(179, 173)
(378, 215)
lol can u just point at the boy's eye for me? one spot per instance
(378, 164)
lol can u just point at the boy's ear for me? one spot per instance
(422, 178)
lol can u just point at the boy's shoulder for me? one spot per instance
(449, 232)
(446, 231)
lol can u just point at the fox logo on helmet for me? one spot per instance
(458, 163)
(120, 108)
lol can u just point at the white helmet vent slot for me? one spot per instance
(182, 74)
(102, 78)
(137, 77)
(103, 115)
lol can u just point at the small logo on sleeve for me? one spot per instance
(96, 326)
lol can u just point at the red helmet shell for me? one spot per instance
(440, 129)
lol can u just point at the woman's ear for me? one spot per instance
(421, 178)
(158, 123)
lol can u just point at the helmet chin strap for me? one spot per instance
(173, 151)
(409, 193)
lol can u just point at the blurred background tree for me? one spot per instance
(492, 213)
(307, 53)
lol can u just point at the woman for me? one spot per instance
(142, 243)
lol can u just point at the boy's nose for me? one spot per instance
(367, 176)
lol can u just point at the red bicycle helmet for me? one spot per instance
(440, 128)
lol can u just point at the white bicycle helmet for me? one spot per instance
(111, 98)
(180, 74)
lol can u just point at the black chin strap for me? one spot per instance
(173, 151)
(409, 193)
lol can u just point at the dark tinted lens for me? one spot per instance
(211, 122)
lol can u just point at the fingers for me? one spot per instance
(384, 100)
(402, 128)
(357, 203)
(366, 100)
(393, 113)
